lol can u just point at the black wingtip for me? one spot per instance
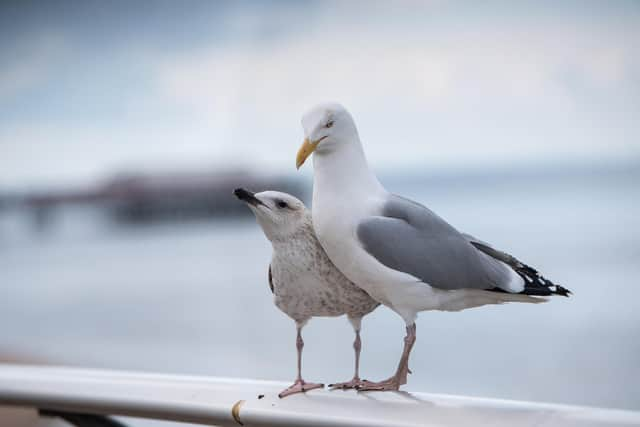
(562, 291)
(534, 283)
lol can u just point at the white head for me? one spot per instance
(279, 214)
(326, 127)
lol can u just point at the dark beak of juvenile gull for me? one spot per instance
(247, 197)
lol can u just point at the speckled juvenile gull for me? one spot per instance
(305, 283)
(400, 252)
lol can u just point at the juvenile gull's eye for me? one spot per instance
(281, 204)
(329, 124)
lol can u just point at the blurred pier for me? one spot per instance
(140, 198)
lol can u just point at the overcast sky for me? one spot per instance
(90, 88)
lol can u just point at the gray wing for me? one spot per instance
(410, 238)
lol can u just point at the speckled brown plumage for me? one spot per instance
(307, 284)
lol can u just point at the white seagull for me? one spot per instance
(400, 252)
(303, 280)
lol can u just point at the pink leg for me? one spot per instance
(356, 381)
(299, 386)
(400, 377)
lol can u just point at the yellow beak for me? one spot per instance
(305, 151)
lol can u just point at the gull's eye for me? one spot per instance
(281, 204)
(329, 124)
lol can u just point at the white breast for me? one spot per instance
(336, 231)
(345, 192)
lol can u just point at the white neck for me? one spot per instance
(343, 172)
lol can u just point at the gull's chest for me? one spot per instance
(335, 223)
(302, 283)
(293, 282)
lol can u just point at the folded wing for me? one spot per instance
(409, 237)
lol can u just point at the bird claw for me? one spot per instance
(354, 383)
(300, 386)
(392, 384)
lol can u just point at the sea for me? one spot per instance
(192, 297)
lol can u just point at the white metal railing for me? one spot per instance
(233, 402)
